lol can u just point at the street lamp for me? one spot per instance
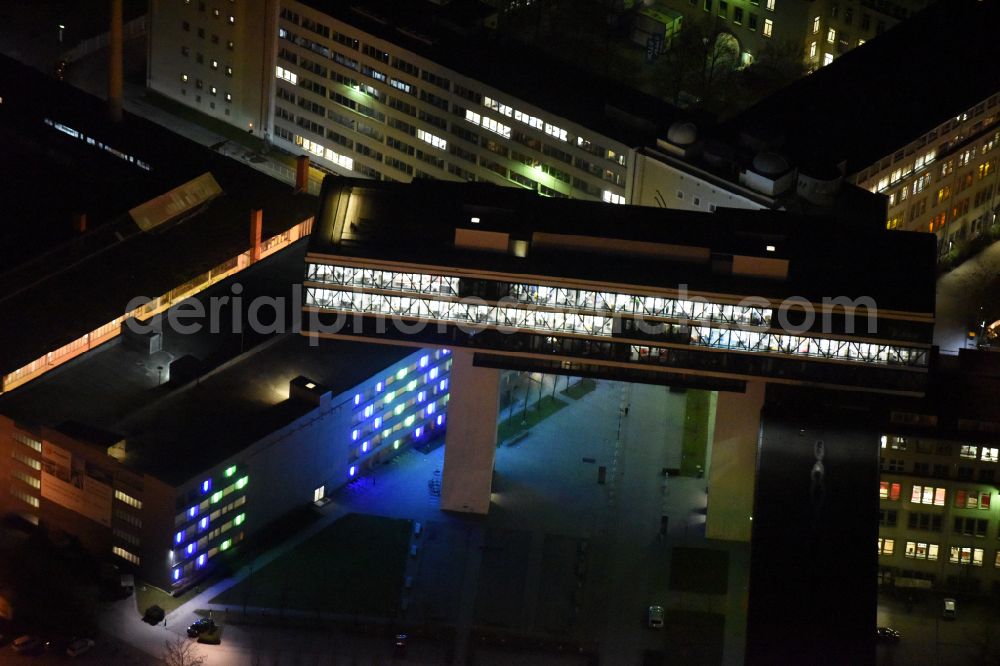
(61, 29)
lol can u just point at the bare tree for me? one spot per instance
(181, 652)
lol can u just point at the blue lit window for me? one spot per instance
(179, 537)
(357, 399)
(378, 421)
(364, 447)
(378, 387)
(421, 396)
(430, 408)
(445, 351)
(440, 419)
(203, 523)
(193, 511)
(177, 574)
(351, 472)
(201, 560)
(443, 385)
(354, 435)
(418, 432)
(206, 485)
(190, 548)
(434, 373)
(369, 410)
(423, 361)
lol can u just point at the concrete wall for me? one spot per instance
(472, 437)
(733, 464)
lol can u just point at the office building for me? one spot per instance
(938, 519)
(101, 213)
(403, 90)
(934, 156)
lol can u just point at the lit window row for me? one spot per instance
(509, 318)
(557, 132)
(435, 141)
(32, 481)
(928, 495)
(125, 555)
(26, 460)
(30, 442)
(972, 499)
(319, 150)
(287, 75)
(76, 134)
(488, 123)
(24, 497)
(601, 302)
(919, 550)
(611, 197)
(888, 490)
(128, 499)
(965, 555)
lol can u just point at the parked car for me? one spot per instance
(887, 635)
(79, 646)
(201, 626)
(58, 644)
(399, 647)
(654, 617)
(26, 644)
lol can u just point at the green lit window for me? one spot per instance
(242, 483)
(225, 544)
(399, 409)
(230, 471)
(401, 373)
(216, 497)
(238, 520)
(390, 396)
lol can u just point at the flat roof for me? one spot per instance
(453, 36)
(878, 97)
(173, 433)
(416, 223)
(58, 284)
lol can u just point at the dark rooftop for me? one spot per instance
(172, 433)
(876, 98)
(58, 283)
(416, 223)
(453, 36)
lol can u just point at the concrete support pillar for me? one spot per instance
(471, 440)
(256, 224)
(734, 463)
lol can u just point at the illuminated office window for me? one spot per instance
(768, 27)
(885, 546)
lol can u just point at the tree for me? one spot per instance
(181, 652)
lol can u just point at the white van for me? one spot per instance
(949, 609)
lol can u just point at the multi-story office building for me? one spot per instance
(933, 155)
(109, 212)
(938, 521)
(169, 495)
(394, 90)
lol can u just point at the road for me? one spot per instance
(929, 640)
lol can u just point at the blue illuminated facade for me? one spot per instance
(338, 439)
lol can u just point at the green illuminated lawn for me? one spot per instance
(354, 566)
(521, 421)
(580, 389)
(695, 443)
